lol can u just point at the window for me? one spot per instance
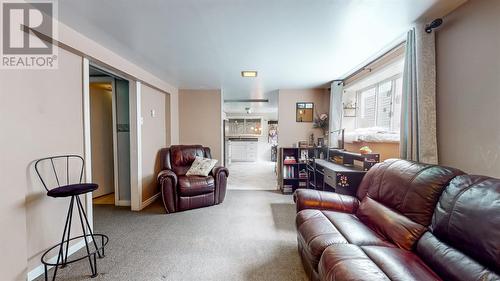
(367, 102)
(380, 105)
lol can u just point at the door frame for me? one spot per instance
(135, 137)
(111, 80)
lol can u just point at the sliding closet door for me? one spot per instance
(123, 140)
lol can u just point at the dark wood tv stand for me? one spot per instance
(338, 178)
(343, 177)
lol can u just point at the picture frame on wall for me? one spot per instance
(304, 112)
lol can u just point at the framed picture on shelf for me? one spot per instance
(321, 142)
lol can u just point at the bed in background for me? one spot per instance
(380, 140)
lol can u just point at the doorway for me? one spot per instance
(250, 143)
(109, 137)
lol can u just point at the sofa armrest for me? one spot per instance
(217, 170)
(321, 200)
(165, 174)
(220, 174)
(167, 180)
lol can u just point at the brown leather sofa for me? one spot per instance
(408, 221)
(180, 192)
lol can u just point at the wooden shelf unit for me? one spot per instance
(323, 174)
(289, 183)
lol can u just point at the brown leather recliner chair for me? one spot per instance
(180, 192)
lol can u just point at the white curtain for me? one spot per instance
(336, 108)
(418, 109)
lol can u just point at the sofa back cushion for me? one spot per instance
(466, 223)
(409, 188)
(182, 156)
(450, 263)
(390, 224)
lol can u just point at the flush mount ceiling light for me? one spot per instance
(249, 73)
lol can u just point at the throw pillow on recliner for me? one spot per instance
(201, 166)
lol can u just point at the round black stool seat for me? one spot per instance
(72, 189)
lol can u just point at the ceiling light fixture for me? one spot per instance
(249, 73)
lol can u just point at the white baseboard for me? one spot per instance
(149, 201)
(122, 203)
(39, 270)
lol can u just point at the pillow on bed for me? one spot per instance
(201, 166)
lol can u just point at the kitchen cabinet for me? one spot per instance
(245, 126)
(243, 150)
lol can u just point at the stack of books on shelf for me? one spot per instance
(289, 160)
(288, 172)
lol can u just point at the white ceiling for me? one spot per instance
(269, 108)
(206, 43)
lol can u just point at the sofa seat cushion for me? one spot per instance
(319, 229)
(195, 185)
(350, 262)
(400, 264)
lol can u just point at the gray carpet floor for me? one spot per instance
(252, 176)
(251, 236)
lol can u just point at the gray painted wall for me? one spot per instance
(468, 88)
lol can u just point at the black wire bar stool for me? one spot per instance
(60, 185)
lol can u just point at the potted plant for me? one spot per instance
(321, 122)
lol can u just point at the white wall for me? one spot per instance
(154, 137)
(468, 88)
(200, 115)
(41, 114)
(290, 131)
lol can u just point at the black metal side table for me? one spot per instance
(61, 184)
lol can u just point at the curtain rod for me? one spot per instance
(372, 62)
